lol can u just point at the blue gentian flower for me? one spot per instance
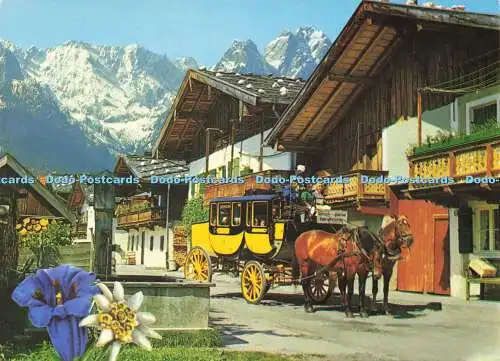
(58, 299)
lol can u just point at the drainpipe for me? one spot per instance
(170, 245)
(261, 156)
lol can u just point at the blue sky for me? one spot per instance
(203, 29)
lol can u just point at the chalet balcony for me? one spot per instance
(132, 217)
(467, 157)
(80, 230)
(356, 192)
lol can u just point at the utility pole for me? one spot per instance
(207, 146)
(104, 204)
(261, 156)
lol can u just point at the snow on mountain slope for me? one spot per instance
(116, 94)
(244, 57)
(119, 96)
(296, 54)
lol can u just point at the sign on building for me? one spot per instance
(331, 216)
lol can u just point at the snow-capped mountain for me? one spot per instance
(116, 98)
(115, 94)
(292, 54)
(296, 54)
(36, 131)
(244, 57)
(186, 63)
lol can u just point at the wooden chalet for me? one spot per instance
(370, 79)
(238, 105)
(144, 204)
(10, 195)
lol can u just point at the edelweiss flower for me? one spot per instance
(119, 320)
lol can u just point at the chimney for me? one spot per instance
(458, 7)
(428, 4)
(411, 2)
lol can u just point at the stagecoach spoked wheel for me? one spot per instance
(321, 288)
(198, 266)
(253, 282)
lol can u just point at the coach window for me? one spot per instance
(162, 243)
(276, 212)
(259, 214)
(213, 214)
(249, 214)
(224, 214)
(236, 214)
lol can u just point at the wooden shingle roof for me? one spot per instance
(201, 89)
(10, 167)
(143, 167)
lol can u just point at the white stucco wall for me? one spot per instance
(396, 139)
(250, 145)
(152, 258)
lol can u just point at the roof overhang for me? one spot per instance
(196, 91)
(9, 166)
(370, 38)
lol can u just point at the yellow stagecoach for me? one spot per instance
(251, 234)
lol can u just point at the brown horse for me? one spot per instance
(348, 252)
(396, 234)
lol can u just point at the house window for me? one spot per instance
(236, 214)
(221, 172)
(487, 229)
(151, 243)
(482, 113)
(128, 243)
(133, 241)
(162, 243)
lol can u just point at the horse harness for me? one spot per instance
(346, 235)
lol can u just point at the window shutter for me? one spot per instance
(465, 231)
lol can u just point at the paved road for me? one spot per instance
(422, 328)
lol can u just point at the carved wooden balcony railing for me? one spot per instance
(134, 218)
(356, 191)
(477, 158)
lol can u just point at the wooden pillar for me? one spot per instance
(233, 136)
(207, 151)
(261, 155)
(9, 252)
(419, 112)
(104, 203)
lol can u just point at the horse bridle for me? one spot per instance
(392, 253)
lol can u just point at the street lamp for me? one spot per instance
(207, 145)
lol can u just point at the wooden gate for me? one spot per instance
(426, 267)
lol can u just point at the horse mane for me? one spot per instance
(367, 239)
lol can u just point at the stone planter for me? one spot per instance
(176, 304)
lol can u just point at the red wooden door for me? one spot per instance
(441, 256)
(424, 263)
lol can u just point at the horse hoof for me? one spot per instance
(349, 314)
(364, 314)
(387, 312)
(309, 310)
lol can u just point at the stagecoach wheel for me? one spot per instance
(198, 266)
(321, 288)
(253, 282)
